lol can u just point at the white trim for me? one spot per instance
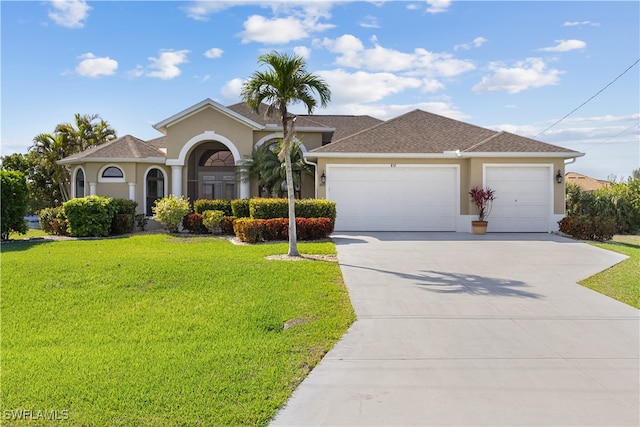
(208, 135)
(111, 159)
(551, 173)
(278, 135)
(446, 155)
(165, 188)
(102, 179)
(73, 181)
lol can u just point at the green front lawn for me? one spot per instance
(622, 281)
(154, 330)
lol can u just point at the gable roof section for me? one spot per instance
(423, 134)
(124, 149)
(343, 126)
(207, 103)
(585, 182)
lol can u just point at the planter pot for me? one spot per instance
(479, 227)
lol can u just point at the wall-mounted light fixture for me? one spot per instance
(559, 177)
(323, 178)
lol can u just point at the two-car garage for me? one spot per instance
(413, 197)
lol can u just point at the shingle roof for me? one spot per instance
(585, 182)
(125, 147)
(422, 132)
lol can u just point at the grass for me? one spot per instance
(622, 281)
(31, 232)
(154, 330)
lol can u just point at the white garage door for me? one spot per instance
(394, 198)
(523, 198)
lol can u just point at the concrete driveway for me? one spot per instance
(455, 329)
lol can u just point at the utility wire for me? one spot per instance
(616, 135)
(598, 93)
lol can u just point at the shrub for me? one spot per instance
(240, 208)
(14, 202)
(255, 230)
(141, 221)
(316, 208)
(123, 220)
(170, 210)
(59, 227)
(247, 230)
(260, 208)
(89, 216)
(588, 227)
(193, 223)
(211, 220)
(202, 205)
(47, 215)
(226, 226)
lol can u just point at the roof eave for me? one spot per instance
(76, 160)
(445, 155)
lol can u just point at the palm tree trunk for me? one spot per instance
(291, 195)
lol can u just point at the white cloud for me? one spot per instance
(214, 53)
(165, 66)
(565, 46)
(477, 42)
(580, 23)
(301, 20)
(389, 111)
(70, 14)
(369, 22)
(363, 87)
(232, 89)
(438, 6)
(353, 54)
(136, 72)
(92, 66)
(531, 73)
(302, 51)
(272, 31)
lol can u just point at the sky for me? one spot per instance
(566, 73)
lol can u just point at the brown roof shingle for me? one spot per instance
(125, 147)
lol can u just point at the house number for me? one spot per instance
(393, 165)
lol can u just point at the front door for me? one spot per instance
(155, 189)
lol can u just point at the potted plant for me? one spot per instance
(483, 199)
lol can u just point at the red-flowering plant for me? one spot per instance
(483, 199)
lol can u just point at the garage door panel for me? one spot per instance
(393, 198)
(523, 198)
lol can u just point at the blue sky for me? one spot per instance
(506, 65)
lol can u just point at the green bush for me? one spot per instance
(240, 208)
(588, 227)
(124, 206)
(170, 210)
(211, 219)
(123, 220)
(260, 208)
(201, 205)
(316, 208)
(226, 225)
(14, 202)
(47, 215)
(89, 216)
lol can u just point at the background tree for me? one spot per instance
(13, 203)
(286, 82)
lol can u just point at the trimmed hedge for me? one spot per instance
(89, 216)
(261, 208)
(123, 220)
(316, 208)
(211, 220)
(257, 230)
(240, 208)
(201, 205)
(588, 227)
(193, 223)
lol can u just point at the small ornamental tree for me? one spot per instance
(482, 199)
(170, 210)
(15, 203)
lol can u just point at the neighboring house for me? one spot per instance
(586, 183)
(410, 173)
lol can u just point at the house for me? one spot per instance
(412, 172)
(586, 183)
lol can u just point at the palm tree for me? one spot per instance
(286, 82)
(87, 131)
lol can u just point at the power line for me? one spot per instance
(598, 93)
(616, 135)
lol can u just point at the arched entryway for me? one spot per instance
(154, 188)
(211, 172)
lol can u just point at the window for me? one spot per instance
(112, 172)
(216, 158)
(80, 183)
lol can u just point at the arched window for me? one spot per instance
(216, 158)
(112, 172)
(79, 183)
(154, 189)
